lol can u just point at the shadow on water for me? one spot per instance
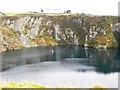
(104, 61)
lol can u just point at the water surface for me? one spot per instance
(71, 66)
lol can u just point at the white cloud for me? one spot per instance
(101, 7)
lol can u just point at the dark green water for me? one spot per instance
(70, 65)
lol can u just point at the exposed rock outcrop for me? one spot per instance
(2, 14)
(44, 30)
(116, 31)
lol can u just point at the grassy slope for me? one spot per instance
(20, 85)
(102, 40)
(33, 85)
(9, 39)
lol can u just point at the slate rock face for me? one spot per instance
(88, 31)
(116, 31)
(1, 14)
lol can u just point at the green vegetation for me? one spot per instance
(45, 41)
(20, 85)
(10, 42)
(12, 18)
(10, 14)
(107, 39)
(34, 85)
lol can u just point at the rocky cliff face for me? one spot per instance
(116, 32)
(43, 30)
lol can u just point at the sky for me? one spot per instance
(97, 7)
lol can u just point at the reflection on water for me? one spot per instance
(55, 65)
(105, 61)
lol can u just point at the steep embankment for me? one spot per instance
(116, 32)
(43, 30)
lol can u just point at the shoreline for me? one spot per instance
(34, 85)
(62, 45)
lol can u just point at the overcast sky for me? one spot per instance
(98, 7)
